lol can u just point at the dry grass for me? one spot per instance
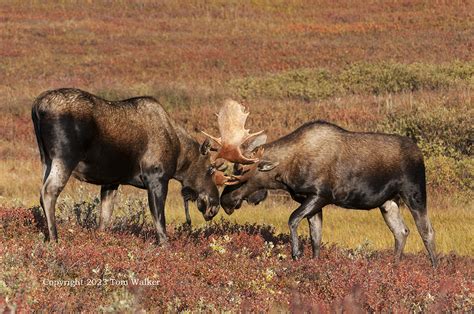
(452, 218)
(350, 229)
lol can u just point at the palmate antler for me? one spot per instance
(231, 120)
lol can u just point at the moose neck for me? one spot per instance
(189, 151)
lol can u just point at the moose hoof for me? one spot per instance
(102, 228)
(162, 242)
(296, 256)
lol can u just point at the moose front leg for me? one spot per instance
(315, 231)
(107, 198)
(157, 191)
(186, 211)
(311, 206)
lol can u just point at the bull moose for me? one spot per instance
(320, 164)
(108, 143)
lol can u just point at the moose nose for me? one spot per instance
(208, 206)
(211, 212)
(229, 204)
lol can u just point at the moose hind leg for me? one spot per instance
(423, 224)
(391, 214)
(107, 198)
(420, 214)
(315, 231)
(57, 178)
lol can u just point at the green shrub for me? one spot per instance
(445, 137)
(304, 84)
(446, 173)
(374, 78)
(378, 78)
(390, 77)
(441, 132)
(440, 76)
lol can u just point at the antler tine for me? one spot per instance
(241, 177)
(247, 170)
(259, 152)
(215, 139)
(221, 179)
(253, 135)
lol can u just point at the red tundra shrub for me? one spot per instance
(221, 266)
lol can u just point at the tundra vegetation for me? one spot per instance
(397, 67)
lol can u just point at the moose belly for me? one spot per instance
(363, 196)
(108, 160)
(117, 169)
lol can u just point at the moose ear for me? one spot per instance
(265, 165)
(255, 142)
(205, 147)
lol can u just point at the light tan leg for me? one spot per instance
(391, 214)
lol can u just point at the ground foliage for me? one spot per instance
(221, 266)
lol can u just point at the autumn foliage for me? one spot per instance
(222, 266)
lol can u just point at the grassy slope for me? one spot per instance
(151, 47)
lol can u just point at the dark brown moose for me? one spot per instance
(109, 143)
(321, 164)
